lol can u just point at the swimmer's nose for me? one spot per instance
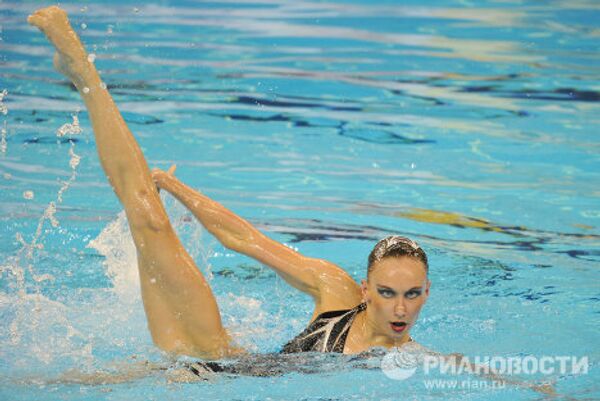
(400, 309)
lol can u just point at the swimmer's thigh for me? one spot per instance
(182, 311)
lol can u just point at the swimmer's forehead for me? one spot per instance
(399, 273)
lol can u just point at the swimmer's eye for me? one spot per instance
(412, 294)
(386, 293)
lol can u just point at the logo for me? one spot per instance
(492, 372)
(399, 364)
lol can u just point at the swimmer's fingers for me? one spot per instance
(158, 177)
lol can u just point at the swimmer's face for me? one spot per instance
(395, 292)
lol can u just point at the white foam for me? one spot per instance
(116, 245)
(246, 320)
(39, 331)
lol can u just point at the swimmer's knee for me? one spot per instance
(145, 211)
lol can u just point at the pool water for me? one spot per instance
(468, 126)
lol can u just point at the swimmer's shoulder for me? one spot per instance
(337, 293)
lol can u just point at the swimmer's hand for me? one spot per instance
(161, 177)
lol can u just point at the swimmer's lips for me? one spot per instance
(398, 327)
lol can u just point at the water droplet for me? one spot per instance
(70, 129)
(136, 10)
(7, 176)
(109, 30)
(102, 85)
(83, 9)
(91, 57)
(153, 280)
(86, 90)
(83, 25)
(28, 194)
(3, 144)
(3, 108)
(75, 159)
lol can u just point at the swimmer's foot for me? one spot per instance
(71, 58)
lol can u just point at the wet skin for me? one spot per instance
(395, 292)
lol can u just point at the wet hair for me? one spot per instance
(396, 246)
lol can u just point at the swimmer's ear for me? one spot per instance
(364, 290)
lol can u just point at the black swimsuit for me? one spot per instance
(327, 333)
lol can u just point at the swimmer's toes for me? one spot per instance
(37, 20)
(45, 18)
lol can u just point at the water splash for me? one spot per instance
(120, 259)
(3, 108)
(3, 143)
(50, 211)
(246, 319)
(73, 163)
(70, 128)
(3, 130)
(31, 318)
(40, 331)
(198, 245)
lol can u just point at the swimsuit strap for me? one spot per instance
(327, 333)
(340, 340)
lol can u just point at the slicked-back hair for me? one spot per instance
(396, 246)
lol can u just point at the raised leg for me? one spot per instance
(182, 312)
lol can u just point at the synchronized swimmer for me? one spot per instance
(182, 312)
(183, 315)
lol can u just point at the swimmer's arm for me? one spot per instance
(317, 277)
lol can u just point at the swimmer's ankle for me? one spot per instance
(87, 78)
(81, 73)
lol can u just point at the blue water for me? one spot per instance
(471, 127)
